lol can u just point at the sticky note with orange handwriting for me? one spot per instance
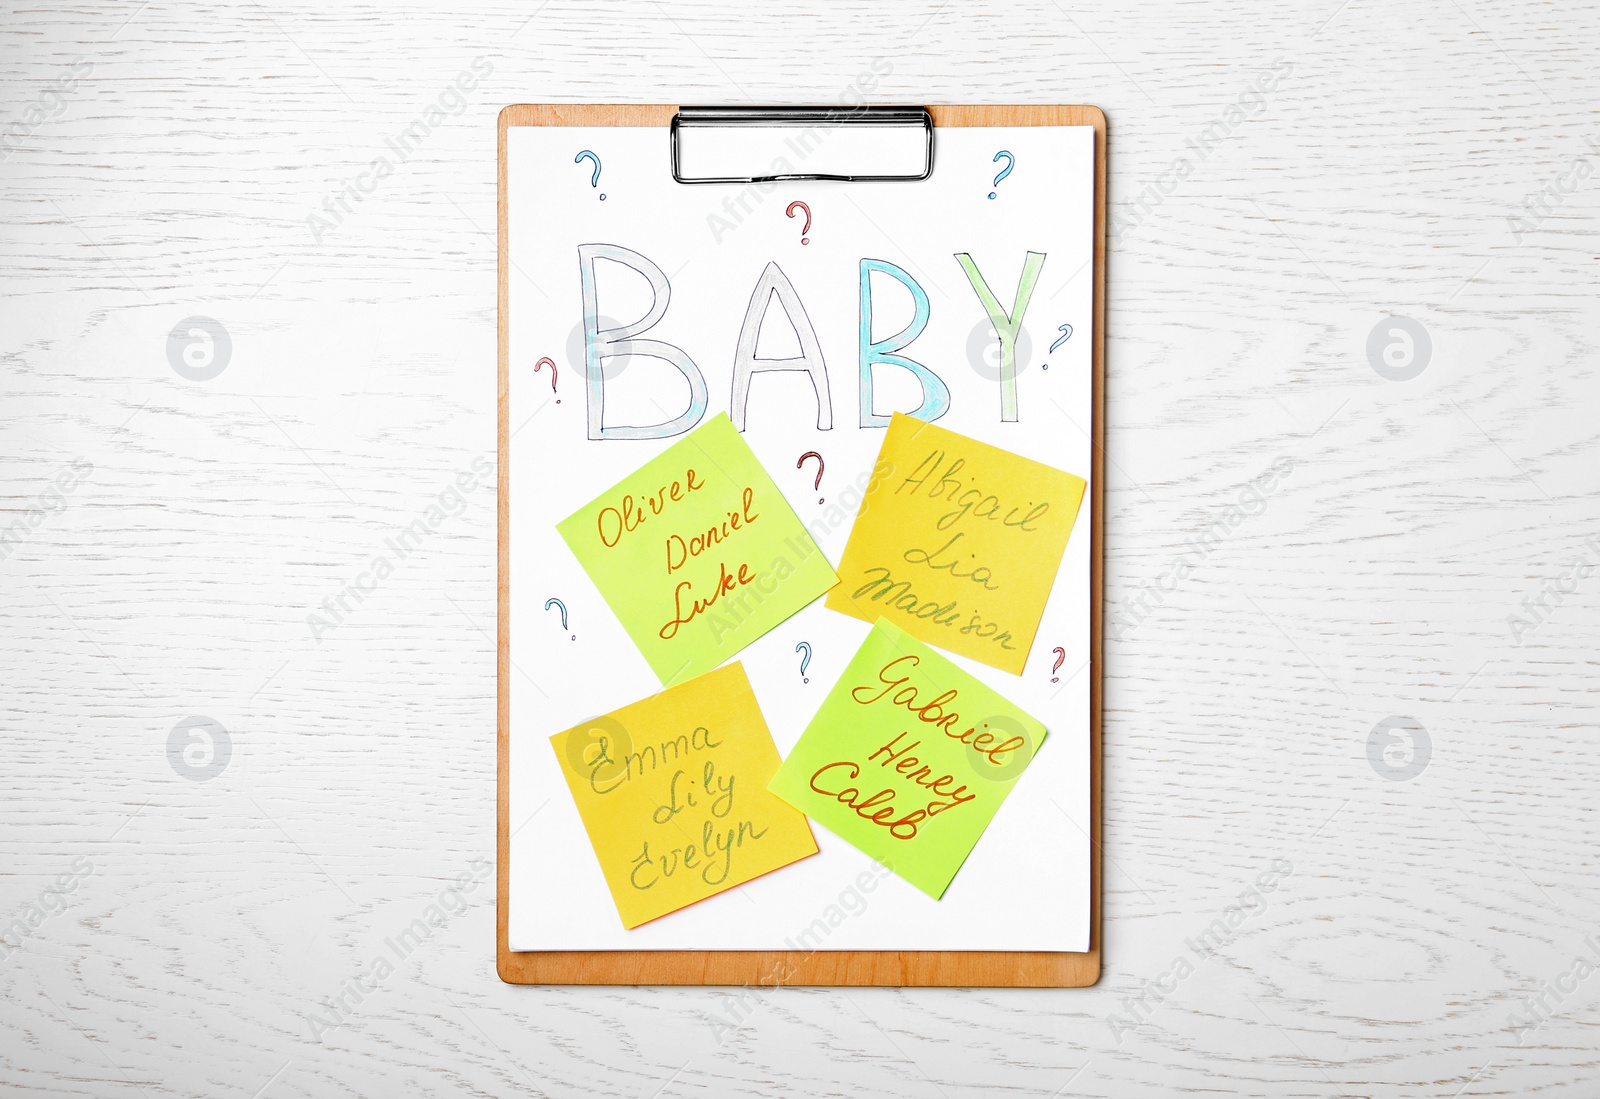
(909, 758)
(697, 552)
(957, 543)
(673, 793)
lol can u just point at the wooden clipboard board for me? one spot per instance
(821, 967)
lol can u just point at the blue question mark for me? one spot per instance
(594, 180)
(1011, 162)
(562, 607)
(804, 649)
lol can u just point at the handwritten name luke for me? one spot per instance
(683, 541)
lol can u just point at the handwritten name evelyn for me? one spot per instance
(719, 836)
(673, 793)
(924, 789)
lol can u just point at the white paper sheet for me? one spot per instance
(1026, 884)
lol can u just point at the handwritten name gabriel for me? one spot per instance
(916, 790)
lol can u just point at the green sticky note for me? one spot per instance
(909, 758)
(697, 552)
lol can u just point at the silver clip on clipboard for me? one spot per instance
(773, 144)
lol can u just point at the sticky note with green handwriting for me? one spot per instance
(697, 552)
(958, 542)
(909, 758)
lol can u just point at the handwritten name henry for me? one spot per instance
(936, 790)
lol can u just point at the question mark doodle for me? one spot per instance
(807, 227)
(1060, 660)
(594, 180)
(1066, 334)
(817, 484)
(805, 660)
(1011, 162)
(552, 362)
(548, 603)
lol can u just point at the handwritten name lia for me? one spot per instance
(942, 479)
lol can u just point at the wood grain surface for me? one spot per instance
(1298, 549)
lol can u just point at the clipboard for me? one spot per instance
(969, 968)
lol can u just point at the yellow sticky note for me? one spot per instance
(957, 543)
(673, 793)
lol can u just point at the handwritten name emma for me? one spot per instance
(709, 792)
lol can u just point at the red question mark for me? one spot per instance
(817, 484)
(1060, 660)
(552, 363)
(790, 211)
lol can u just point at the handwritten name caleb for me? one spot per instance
(917, 792)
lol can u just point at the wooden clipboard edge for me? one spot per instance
(958, 968)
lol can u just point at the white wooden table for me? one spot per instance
(1285, 177)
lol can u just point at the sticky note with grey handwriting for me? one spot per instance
(958, 543)
(672, 791)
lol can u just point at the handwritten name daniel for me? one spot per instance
(616, 521)
(916, 790)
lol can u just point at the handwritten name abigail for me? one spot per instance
(940, 477)
(962, 550)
